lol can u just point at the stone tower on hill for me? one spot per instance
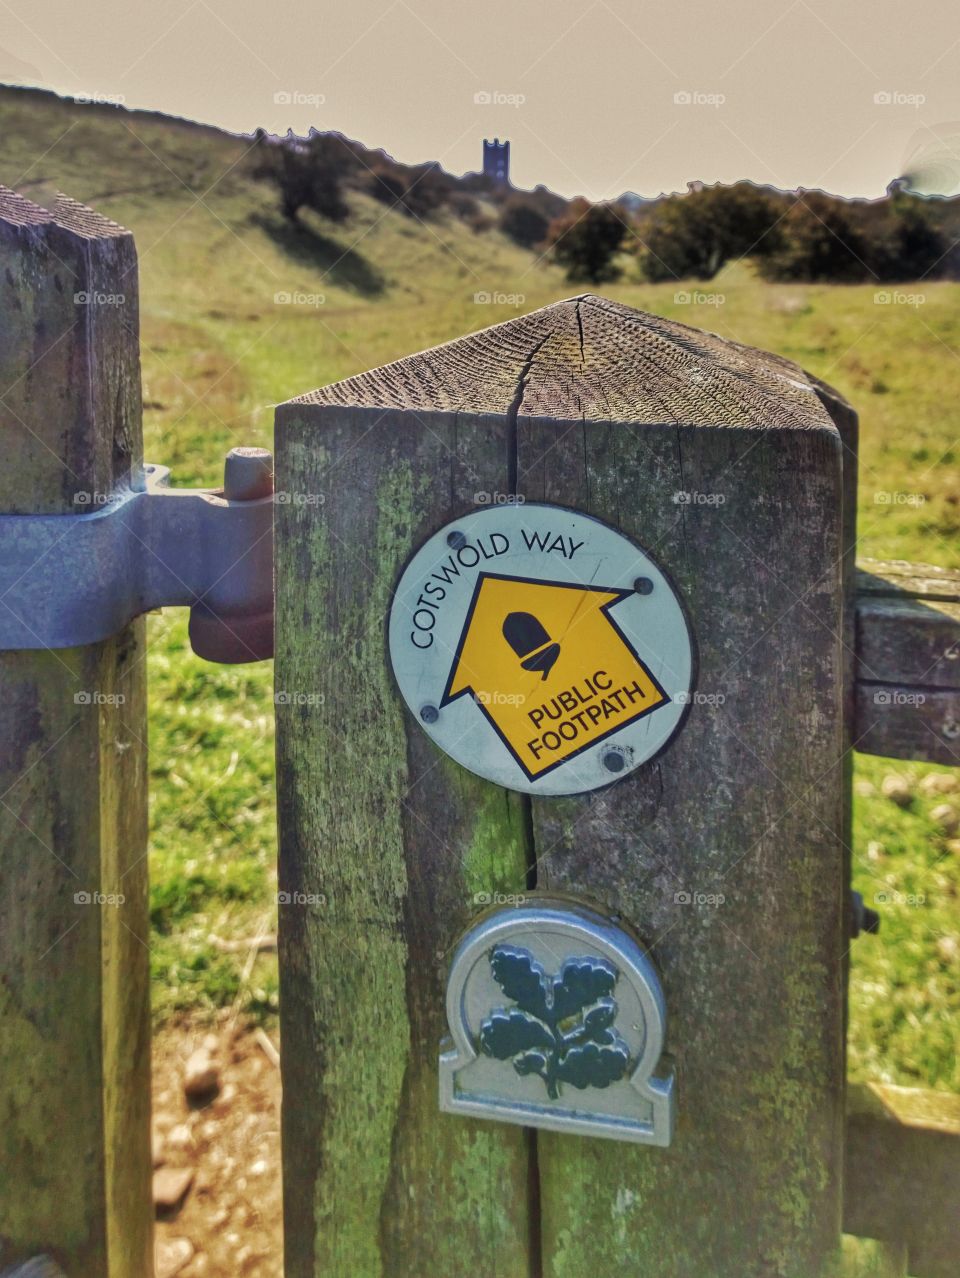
(496, 160)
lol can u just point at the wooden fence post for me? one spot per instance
(74, 974)
(726, 853)
(723, 463)
(385, 846)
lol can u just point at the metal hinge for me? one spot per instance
(67, 580)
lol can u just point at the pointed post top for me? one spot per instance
(588, 358)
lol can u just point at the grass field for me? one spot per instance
(221, 346)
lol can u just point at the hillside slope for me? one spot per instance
(240, 308)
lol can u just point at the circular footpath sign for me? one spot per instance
(540, 648)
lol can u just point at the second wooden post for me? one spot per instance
(723, 852)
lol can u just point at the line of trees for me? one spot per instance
(318, 172)
(806, 236)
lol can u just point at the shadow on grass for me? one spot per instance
(343, 266)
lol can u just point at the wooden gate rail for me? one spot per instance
(908, 661)
(902, 1178)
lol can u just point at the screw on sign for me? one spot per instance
(534, 653)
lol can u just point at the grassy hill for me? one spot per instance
(240, 310)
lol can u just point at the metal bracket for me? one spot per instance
(862, 918)
(67, 580)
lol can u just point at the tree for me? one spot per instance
(806, 237)
(820, 240)
(585, 239)
(913, 247)
(418, 191)
(698, 233)
(306, 174)
(523, 223)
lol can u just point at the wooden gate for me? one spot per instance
(728, 853)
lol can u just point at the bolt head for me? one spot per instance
(248, 474)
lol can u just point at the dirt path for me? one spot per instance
(228, 1221)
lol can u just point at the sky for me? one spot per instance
(596, 96)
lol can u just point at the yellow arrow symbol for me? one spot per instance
(549, 667)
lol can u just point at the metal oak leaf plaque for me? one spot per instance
(560, 1028)
(557, 1020)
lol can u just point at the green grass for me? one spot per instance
(218, 351)
(904, 995)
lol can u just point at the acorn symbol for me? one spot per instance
(530, 641)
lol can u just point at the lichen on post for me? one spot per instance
(74, 971)
(725, 853)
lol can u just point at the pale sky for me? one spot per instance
(596, 96)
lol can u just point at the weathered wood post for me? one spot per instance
(385, 845)
(74, 976)
(725, 853)
(723, 462)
